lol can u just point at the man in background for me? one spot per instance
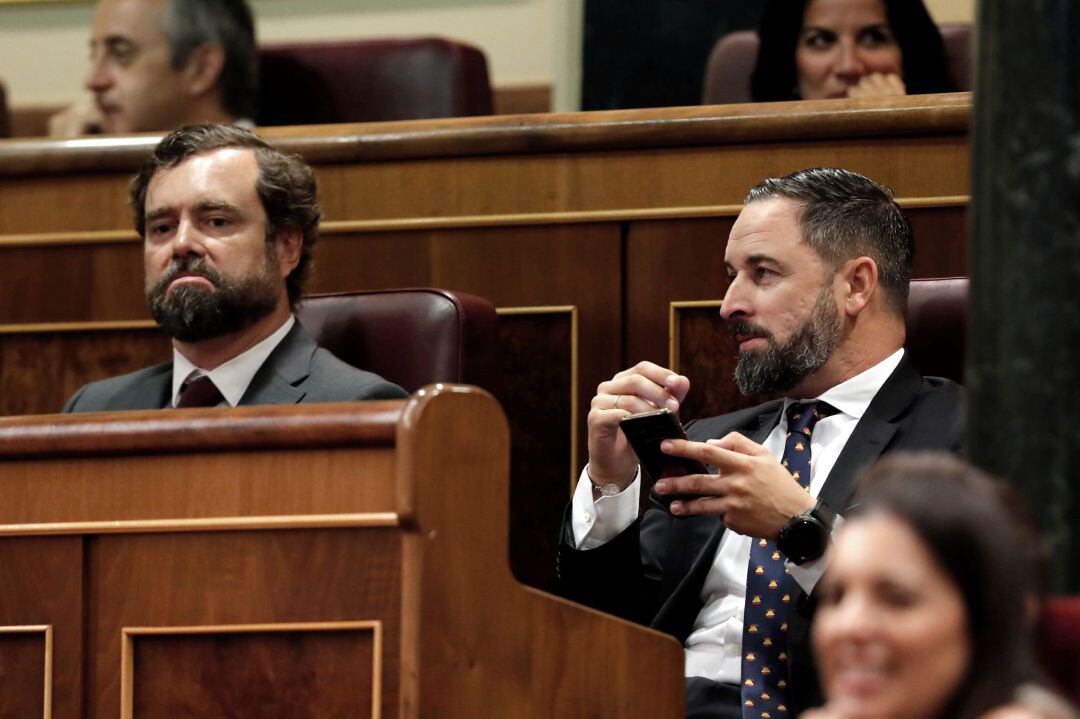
(228, 224)
(160, 64)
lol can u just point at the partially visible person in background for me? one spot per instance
(159, 64)
(818, 49)
(925, 609)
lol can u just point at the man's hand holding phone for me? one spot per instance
(646, 432)
(752, 493)
(642, 388)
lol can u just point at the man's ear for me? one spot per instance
(860, 284)
(203, 68)
(287, 245)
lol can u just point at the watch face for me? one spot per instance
(803, 539)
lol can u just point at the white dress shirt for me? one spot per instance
(233, 377)
(714, 647)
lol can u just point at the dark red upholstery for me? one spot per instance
(412, 337)
(371, 80)
(731, 62)
(1058, 644)
(937, 326)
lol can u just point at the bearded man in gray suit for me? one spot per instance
(228, 224)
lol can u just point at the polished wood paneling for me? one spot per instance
(25, 672)
(702, 349)
(40, 370)
(41, 584)
(538, 348)
(515, 266)
(223, 671)
(303, 576)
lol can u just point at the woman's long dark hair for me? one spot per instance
(965, 520)
(925, 64)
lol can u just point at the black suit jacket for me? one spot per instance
(654, 571)
(296, 371)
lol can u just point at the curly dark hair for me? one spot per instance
(286, 186)
(925, 63)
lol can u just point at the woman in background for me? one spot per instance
(925, 609)
(817, 49)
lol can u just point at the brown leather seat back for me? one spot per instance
(371, 81)
(937, 326)
(412, 337)
(732, 60)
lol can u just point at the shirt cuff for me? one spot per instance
(597, 522)
(807, 575)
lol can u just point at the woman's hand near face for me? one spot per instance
(878, 85)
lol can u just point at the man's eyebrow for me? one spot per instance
(116, 41)
(216, 206)
(762, 259)
(157, 213)
(755, 260)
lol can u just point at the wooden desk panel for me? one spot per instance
(423, 603)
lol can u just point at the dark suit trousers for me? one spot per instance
(706, 699)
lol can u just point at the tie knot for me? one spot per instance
(200, 392)
(802, 416)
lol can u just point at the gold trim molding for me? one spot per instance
(207, 524)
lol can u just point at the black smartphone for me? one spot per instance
(645, 431)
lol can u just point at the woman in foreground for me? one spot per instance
(925, 611)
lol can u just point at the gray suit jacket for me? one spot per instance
(296, 371)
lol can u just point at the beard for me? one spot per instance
(783, 365)
(193, 312)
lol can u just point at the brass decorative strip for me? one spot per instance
(127, 650)
(207, 524)
(572, 310)
(81, 237)
(106, 326)
(402, 224)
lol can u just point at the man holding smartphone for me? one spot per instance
(819, 264)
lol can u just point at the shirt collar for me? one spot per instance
(233, 377)
(854, 395)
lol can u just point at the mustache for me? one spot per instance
(189, 266)
(743, 327)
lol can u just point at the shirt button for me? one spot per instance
(588, 518)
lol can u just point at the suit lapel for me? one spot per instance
(872, 434)
(280, 379)
(153, 393)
